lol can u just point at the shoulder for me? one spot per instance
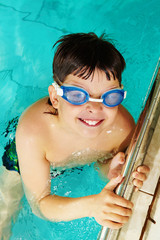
(126, 119)
(33, 123)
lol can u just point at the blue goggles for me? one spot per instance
(78, 96)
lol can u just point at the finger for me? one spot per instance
(120, 158)
(118, 210)
(143, 169)
(116, 218)
(137, 183)
(120, 201)
(113, 183)
(112, 225)
(139, 176)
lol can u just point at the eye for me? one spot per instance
(75, 96)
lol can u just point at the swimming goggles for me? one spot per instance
(78, 96)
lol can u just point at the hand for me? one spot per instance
(109, 209)
(116, 165)
(140, 175)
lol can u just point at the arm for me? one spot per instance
(35, 174)
(107, 208)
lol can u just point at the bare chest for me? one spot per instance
(71, 153)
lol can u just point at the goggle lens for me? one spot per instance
(114, 98)
(75, 97)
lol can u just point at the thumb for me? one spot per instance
(113, 183)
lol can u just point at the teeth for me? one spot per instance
(89, 122)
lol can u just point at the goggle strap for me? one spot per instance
(125, 94)
(58, 89)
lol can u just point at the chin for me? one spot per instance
(89, 133)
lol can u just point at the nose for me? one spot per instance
(94, 107)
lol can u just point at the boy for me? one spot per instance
(83, 114)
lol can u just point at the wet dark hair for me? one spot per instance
(81, 53)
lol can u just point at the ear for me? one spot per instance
(53, 96)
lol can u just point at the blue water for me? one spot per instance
(28, 29)
(76, 182)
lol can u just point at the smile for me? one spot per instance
(92, 123)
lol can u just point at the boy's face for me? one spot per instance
(92, 118)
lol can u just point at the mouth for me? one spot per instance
(91, 123)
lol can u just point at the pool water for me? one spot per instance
(75, 182)
(28, 31)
